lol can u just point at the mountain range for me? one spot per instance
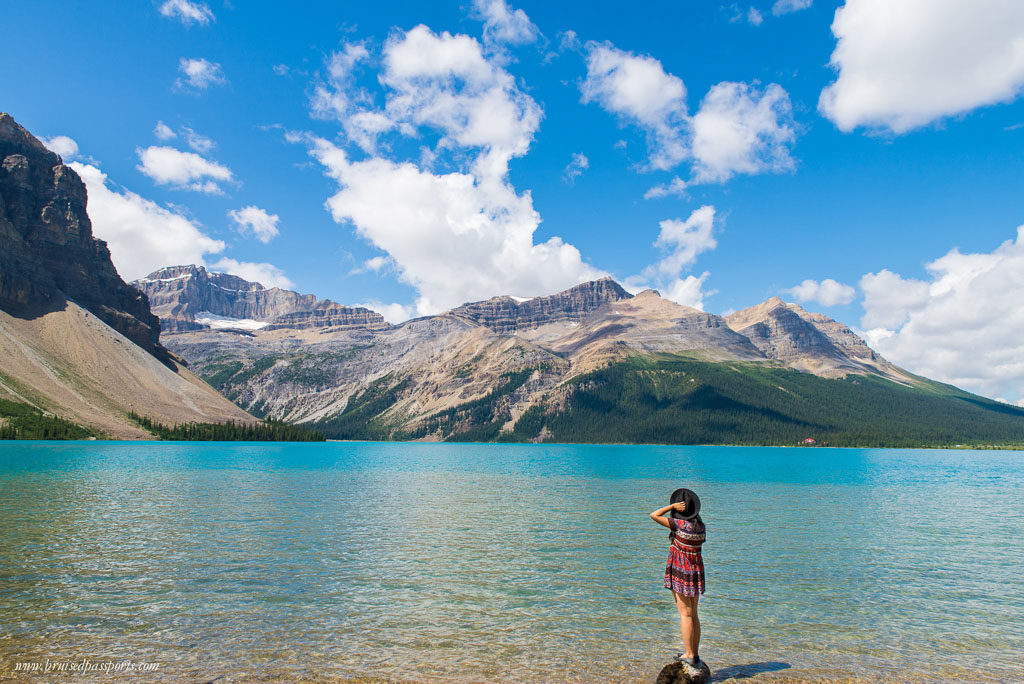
(92, 354)
(592, 363)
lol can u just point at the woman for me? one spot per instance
(684, 574)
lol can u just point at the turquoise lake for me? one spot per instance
(438, 562)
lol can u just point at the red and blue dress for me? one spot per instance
(684, 573)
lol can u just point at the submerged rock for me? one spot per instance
(681, 673)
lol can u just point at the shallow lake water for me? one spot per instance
(437, 562)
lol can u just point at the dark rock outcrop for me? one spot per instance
(505, 315)
(179, 294)
(49, 254)
(681, 673)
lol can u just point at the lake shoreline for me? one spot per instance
(957, 447)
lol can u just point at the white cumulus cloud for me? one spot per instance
(199, 74)
(187, 12)
(458, 236)
(638, 90)
(688, 291)
(446, 83)
(142, 235)
(738, 128)
(902, 65)
(454, 237)
(963, 325)
(63, 145)
(257, 221)
(182, 170)
(684, 240)
(263, 273)
(828, 292)
(889, 299)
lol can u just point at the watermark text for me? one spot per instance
(82, 666)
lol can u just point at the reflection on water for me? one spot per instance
(517, 563)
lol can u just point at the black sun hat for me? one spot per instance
(692, 504)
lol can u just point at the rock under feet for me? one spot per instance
(681, 673)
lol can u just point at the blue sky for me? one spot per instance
(412, 156)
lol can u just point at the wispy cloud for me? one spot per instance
(199, 74)
(252, 219)
(576, 166)
(739, 128)
(681, 242)
(502, 24)
(786, 6)
(163, 132)
(187, 12)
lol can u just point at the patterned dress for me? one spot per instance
(685, 571)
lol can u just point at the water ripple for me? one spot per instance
(513, 563)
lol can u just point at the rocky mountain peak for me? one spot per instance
(193, 276)
(49, 253)
(192, 298)
(507, 315)
(756, 313)
(20, 141)
(808, 341)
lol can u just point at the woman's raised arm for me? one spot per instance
(658, 516)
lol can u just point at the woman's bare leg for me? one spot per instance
(689, 624)
(696, 626)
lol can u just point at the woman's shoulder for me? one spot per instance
(695, 525)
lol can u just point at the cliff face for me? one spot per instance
(185, 296)
(75, 339)
(49, 254)
(780, 333)
(507, 315)
(329, 315)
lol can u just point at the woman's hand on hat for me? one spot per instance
(679, 506)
